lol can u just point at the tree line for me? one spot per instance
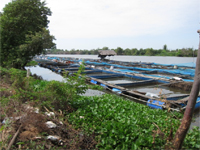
(184, 52)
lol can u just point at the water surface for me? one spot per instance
(155, 59)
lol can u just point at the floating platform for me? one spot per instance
(155, 85)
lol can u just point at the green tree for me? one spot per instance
(165, 47)
(149, 52)
(24, 32)
(105, 48)
(134, 51)
(119, 51)
(127, 51)
(141, 52)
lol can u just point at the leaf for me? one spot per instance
(2, 128)
(20, 143)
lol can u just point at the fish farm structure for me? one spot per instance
(158, 86)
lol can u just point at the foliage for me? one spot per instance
(121, 124)
(24, 32)
(32, 63)
(5, 137)
(95, 87)
(52, 94)
(192, 140)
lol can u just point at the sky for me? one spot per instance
(92, 24)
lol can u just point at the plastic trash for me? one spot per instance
(7, 120)
(37, 110)
(50, 114)
(177, 78)
(30, 108)
(10, 119)
(175, 67)
(152, 95)
(55, 139)
(50, 124)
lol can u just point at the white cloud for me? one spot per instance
(3, 3)
(110, 18)
(115, 18)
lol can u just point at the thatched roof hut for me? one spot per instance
(104, 53)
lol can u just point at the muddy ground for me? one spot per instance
(186, 86)
(34, 132)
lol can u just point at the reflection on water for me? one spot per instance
(120, 80)
(46, 74)
(161, 90)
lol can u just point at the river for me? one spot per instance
(155, 59)
(49, 75)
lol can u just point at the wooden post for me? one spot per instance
(187, 118)
(28, 73)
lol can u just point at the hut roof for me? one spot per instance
(107, 52)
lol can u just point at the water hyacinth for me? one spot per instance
(123, 124)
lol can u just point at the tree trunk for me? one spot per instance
(187, 118)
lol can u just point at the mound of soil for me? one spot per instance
(186, 86)
(34, 134)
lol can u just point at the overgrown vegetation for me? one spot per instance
(32, 63)
(21, 96)
(106, 122)
(122, 124)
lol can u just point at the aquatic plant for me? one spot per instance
(123, 124)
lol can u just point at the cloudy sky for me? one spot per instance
(91, 24)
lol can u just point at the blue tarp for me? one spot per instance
(93, 81)
(103, 85)
(197, 103)
(116, 90)
(154, 104)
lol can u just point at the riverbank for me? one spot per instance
(106, 122)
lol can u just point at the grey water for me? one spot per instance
(155, 59)
(161, 90)
(49, 75)
(119, 80)
(45, 73)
